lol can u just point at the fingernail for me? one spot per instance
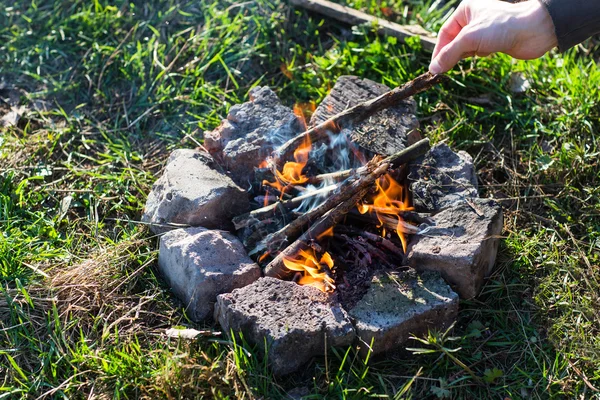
(435, 67)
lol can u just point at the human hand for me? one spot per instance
(482, 27)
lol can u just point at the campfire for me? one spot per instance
(327, 211)
(348, 226)
(355, 216)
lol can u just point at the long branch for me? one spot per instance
(355, 17)
(357, 113)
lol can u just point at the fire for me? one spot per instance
(327, 233)
(390, 199)
(291, 174)
(313, 271)
(264, 256)
(264, 164)
(304, 111)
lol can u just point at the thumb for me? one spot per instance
(462, 46)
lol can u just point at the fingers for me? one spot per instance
(447, 33)
(464, 43)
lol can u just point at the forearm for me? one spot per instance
(574, 20)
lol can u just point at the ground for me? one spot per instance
(111, 89)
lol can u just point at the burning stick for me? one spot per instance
(333, 176)
(277, 268)
(357, 113)
(386, 243)
(242, 221)
(364, 178)
(406, 215)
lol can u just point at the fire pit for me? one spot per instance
(362, 233)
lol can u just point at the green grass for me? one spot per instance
(111, 89)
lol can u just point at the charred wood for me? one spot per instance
(377, 239)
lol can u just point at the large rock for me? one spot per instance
(295, 322)
(462, 246)
(400, 304)
(193, 192)
(441, 178)
(199, 264)
(251, 132)
(386, 132)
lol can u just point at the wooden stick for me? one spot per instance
(357, 113)
(409, 216)
(355, 17)
(386, 243)
(333, 176)
(276, 268)
(241, 221)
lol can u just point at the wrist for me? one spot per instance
(535, 20)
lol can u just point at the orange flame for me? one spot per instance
(313, 271)
(327, 233)
(304, 111)
(264, 164)
(291, 174)
(390, 199)
(264, 256)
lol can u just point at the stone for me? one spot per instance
(461, 246)
(251, 132)
(386, 132)
(398, 305)
(295, 322)
(193, 192)
(441, 178)
(199, 264)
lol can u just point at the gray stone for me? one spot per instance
(398, 305)
(295, 322)
(462, 246)
(251, 132)
(192, 192)
(386, 132)
(199, 264)
(441, 178)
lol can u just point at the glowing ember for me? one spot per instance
(313, 271)
(390, 199)
(264, 256)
